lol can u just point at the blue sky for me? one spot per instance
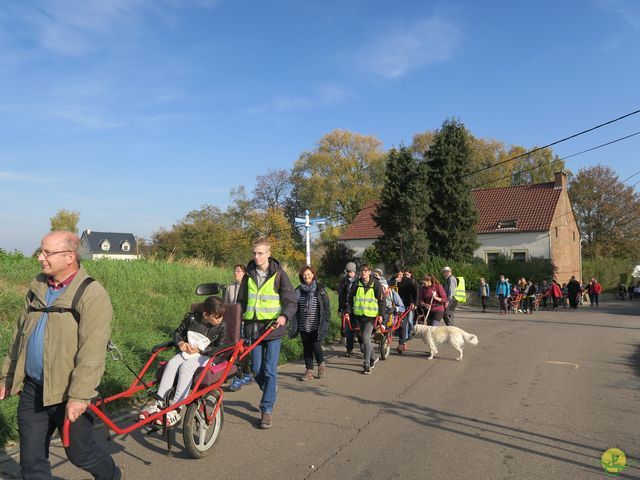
(134, 112)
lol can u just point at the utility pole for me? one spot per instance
(307, 222)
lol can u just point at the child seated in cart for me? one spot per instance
(208, 334)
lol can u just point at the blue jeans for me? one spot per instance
(36, 424)
(264, 360)
(405, 329)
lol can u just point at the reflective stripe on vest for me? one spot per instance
(460, 294)
(264, 303)
(365, 302)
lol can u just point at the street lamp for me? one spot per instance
(306, 222)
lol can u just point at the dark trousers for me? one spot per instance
(573, 300)
(484, 302)
(36, 424)
(350, 334)
(312, 348)
(503, 302)
(594, 299)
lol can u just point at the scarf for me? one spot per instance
(309, 292)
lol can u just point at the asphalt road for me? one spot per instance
(542, 396)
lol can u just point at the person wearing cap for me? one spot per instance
(368, 304)
(450, 285)
(345, 288)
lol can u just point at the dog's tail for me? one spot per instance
(470, 338)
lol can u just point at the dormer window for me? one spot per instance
(125, 246)
(505, 224)
(105, 246)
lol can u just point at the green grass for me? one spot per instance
(149, 300)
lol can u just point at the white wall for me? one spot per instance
(359, 245)
(98, 256)
(536, 244)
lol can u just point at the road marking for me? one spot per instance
(575, 365)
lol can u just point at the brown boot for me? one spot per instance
(307, 376)
(265, 421)
(321, 370)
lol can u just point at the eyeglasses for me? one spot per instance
(46, 254)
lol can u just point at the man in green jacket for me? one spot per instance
(56, 361)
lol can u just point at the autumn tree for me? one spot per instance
(403, 211)
(342, 174)
(607, 212)
(65, 220)
(272, 189)
(452, 221)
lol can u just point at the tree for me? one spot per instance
(607, 212)
(452, 222)
(342, 174)
(537, 167)
(403, 211)
(65, 220)
(272, 189)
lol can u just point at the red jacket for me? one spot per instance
(425, 294)
(595, 288)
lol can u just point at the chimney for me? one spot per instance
(560, 181)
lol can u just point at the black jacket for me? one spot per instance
(216, 334)
(408, 291)
(282, 285)
(324, 314)
(344, 291)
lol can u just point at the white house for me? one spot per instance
(116, 246)
(519, 222)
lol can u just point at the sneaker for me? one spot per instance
(400, 348)
(373, 363)
(322, 369)
(151, 410)
(348, 354)
(367, 370)
(247, 378)
(173, 417)
(236, 384)
(308, 375)
(265, 421)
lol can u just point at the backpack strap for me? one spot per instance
(74, 302)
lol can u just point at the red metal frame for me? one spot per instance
(239, 351)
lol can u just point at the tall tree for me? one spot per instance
(66, 220)
(272, 189)
(607, 212)
(403, 211)
(343, 172)
(452, 222)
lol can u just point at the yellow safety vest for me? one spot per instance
(262, 304)
(460, 293)
(365, 302)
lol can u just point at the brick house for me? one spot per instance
(519, 222)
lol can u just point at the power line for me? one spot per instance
(537, 149)
(558, 160)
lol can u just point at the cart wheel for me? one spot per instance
(198, 436)
(385, 348)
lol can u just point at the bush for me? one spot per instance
(609, 271)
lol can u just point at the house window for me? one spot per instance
(519, 256)
(126, 247)
(105, 246)
(510, 223)
(492, 257)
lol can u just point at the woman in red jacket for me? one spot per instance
(432, 293)
(555, 292)
(595, 289)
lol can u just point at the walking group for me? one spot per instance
(528, 296)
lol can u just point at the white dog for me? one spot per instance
(436, 335)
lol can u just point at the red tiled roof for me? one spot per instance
(363, 226)
(531, 206)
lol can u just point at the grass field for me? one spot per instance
(149, 301)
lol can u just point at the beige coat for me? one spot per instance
(74, 355)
